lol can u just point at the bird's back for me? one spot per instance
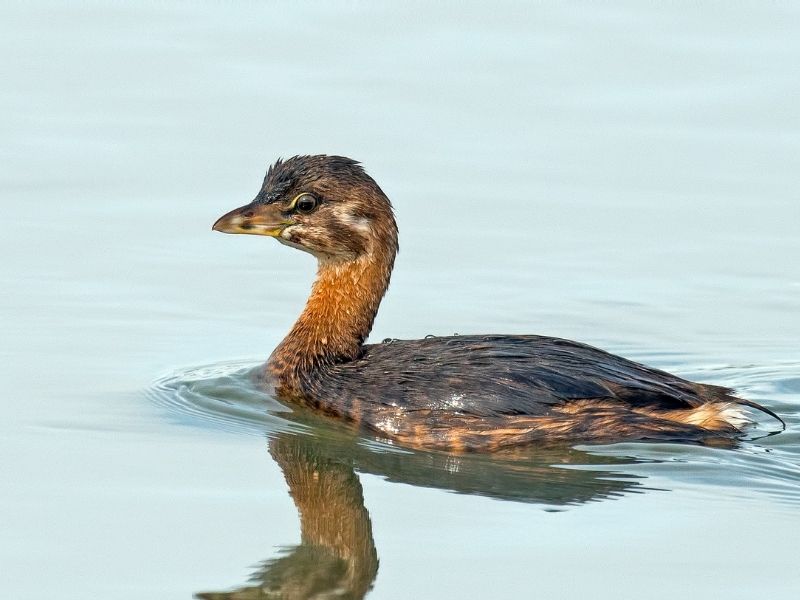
(534, 386)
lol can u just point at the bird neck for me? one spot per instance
(337, 317)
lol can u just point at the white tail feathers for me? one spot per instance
(714, 414)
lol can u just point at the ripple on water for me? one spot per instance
(221, 395)
(226, 396)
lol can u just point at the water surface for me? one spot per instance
(623, 175)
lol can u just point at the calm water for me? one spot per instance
(625, 175)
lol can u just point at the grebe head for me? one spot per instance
(325, 205)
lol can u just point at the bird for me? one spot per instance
(460, 393)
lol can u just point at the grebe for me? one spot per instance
(460, 393)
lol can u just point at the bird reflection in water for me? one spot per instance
(337, 556)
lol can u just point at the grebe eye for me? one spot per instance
(305, 204)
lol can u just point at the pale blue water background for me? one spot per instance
(623, 174)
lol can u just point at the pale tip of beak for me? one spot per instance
(228, 224)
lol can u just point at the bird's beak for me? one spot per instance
(255, 219)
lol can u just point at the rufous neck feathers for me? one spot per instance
(337, 317)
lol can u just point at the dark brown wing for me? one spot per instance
(489, 375)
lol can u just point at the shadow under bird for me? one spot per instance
(460, 393)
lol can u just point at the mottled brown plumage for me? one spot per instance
(457, 393)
